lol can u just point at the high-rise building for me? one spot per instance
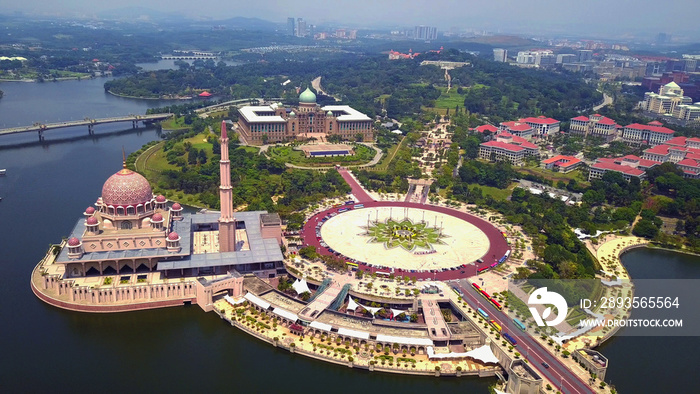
(566, 58)
(690, 65)
(301, 28)
(663, 38)
(584, 55)
(425, 33)
(500, 55)
(545, 59)
(525, 57)
(291, 26)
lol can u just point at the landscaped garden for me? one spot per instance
(405, 234)
(289, 154)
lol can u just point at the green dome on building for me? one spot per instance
(307, 96)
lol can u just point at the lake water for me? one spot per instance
(45, 349)
(170, 64)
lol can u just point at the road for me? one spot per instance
(564, 380)
(607, 100)
(316, 84)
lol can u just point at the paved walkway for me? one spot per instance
(357, 190)
(437, 328)
(325, 299)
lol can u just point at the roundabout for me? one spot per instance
(407, 239)
(402, 238)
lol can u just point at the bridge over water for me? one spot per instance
(40, 128)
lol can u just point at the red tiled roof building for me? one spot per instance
(508, 147)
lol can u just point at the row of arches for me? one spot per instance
(112, 267)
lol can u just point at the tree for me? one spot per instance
(192, 156)
(308, 252)
(645, 228)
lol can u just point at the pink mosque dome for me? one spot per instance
(90, 210)
(177, 206)
(73, 242)
(160, 198)
(157, 217)
(173, 236)
(126, 188)
(91, 221)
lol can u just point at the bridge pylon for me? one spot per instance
(91, 129)
(40, 131)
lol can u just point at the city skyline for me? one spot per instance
(536, 16)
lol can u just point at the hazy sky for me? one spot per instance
(620, 16)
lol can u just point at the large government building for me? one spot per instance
(259, 125)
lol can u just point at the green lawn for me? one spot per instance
(449, 100)
(382, 98)
(575, 316)
(494, 192)
(250, 149)
(158, 161)
(383, 164)
(288, 154)
(554, 176)
(174, 123)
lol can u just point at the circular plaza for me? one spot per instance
(404, 238)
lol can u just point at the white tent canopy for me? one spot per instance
(257, 301)
(397, 312)
(371, 310)
(352, 305)
(353, 333)
(320, 326)
(483, 354)
(300, 286)
(286, 314)
(404, 340)
(232, 301)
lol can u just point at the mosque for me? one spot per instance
(131, 233)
